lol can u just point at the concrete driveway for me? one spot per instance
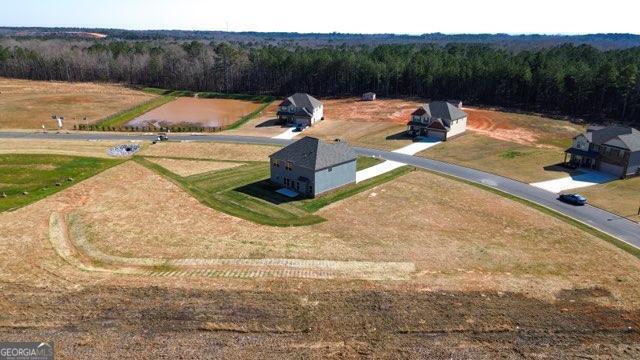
(421, 144)
(587, 177)
(287, 134)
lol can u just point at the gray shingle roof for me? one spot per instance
(302, 100)
(315, 154)
(619, 136)
(443, 110)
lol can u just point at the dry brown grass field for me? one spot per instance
(57, 147)
(489, 272)
(484, 237)
(28, 104)
(218, 151)
(185, 168)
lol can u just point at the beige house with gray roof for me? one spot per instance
(300, 109)
(437, 119)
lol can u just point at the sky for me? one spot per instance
(323, 16)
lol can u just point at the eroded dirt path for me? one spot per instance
(71, 245)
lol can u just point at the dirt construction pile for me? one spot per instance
(123, 150)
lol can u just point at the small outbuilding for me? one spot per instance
(311, 167)
(368, 96)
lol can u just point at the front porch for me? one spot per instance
(581, 158)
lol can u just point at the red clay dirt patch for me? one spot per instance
(353, 109)
(524, 129)
(497, 125)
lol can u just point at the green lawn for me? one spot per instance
(28, 178)
(246, 192)
(364, 162)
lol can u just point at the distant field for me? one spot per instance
(28, 178)
(29, 104)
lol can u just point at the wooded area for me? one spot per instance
(574, 80)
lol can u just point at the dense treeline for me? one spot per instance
(513, 42)
(576, 80)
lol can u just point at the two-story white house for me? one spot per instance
(300, 109)
(438, 119)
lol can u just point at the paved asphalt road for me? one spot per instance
(605, 221)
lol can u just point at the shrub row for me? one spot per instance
(84, 127)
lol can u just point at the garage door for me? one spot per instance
(440, 135)
(612, 169)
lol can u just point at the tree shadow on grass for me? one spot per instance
(400, 136)
(562, 168)
(270, 123)
(266, 190)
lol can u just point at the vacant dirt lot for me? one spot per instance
(495, 279)
(29, 104)
(217, 151)
(192, 167)
(360, 122)
(194, 111)
(522, 129)
(379, 123)
(396, 111)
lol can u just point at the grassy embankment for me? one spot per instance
(25, 179)
(246, 192)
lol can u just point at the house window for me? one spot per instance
(275, 163)
(288, 165)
